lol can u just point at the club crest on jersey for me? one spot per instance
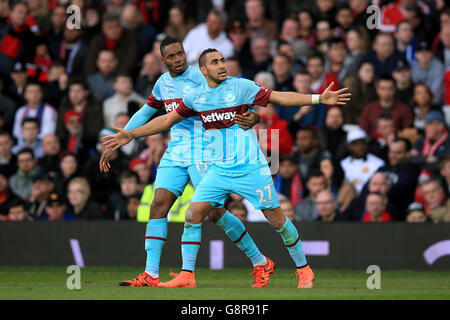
(187, 89)
(230, 99)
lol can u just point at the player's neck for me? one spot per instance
(174, 75)
(212, 83)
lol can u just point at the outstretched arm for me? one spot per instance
(155, 126)
(295, 99)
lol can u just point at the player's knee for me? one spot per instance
(159, 209)
(215, 214)
(275, 217)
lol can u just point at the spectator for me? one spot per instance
(344, 19)
(416, 213)
(442, 51)
(6, 195)
(71, 51)
(326, 207)
(120, 101)
(7, 108)
(58, 19)
(39, 66)
(402, 177)
(8, 160)
(51, 147)
(104, 183)
(16, 39)
(74, 139)
(288, 209)
(122, 42)
(325, 9)
(332, 136)
(56, 86)
(281, 68)
(444, 168)
(403, 82)
(386, 103)
(240, 41)
(35, 108)
(21, 181)
(298, 60)
(234, 67)
(320, 79)
(385, 134)
(81, 205)
(436, 143)
(306, 27)
(272, 122)
(18, 211)
(56, 209)
(156, 146)
(290, 34)
(404, 40)
(143, 170)
(360, 165)
(437, 205)
(149, 74)
(238, 209)
(422, 103)
(133, 147)
(309, 152)
(428, 70)
(260, 57)
(362, 86)
(210, 34)
(133, 203)
(384, 56)
(80, 99)
(323, 34)
(179, 22)
(288, 182)
(29, 135)
(144, 33)
(43, 184)
(15, 89)
(67, 169)
(343, 192)
(116, 207)
(394, 12)
(336, 55)
(358, 44)
(101, 83)
(376, 208)
(307, 209)
(257, 23)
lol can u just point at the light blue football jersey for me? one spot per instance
(188, 137)
(233, 151)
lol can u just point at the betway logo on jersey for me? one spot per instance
(219, 116)
(171, 104)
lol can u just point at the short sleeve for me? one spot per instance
(184, 108)
(253, 93)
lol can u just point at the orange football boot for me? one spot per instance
(184, 279)
(261, 274)
(305, 277)
(142, 280)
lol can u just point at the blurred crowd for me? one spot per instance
(383, 157)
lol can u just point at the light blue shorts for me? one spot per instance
(257, 188)
(175, 178)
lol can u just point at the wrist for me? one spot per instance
(316, 99)
(133, 135)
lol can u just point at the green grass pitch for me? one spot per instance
(101, 283)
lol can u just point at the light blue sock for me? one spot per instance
(190, 244)
(155, 238)
(293, 244)
(235, 230)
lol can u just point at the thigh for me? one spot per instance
(213, 189)
(173, 179)
(197, 172)
(258, 189)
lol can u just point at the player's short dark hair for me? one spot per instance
(201, 59)
(166, 42)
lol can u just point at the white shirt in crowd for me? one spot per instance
(359, 171)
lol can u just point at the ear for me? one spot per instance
(203, 70)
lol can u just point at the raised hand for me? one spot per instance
(335, 97)
(115, 141)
